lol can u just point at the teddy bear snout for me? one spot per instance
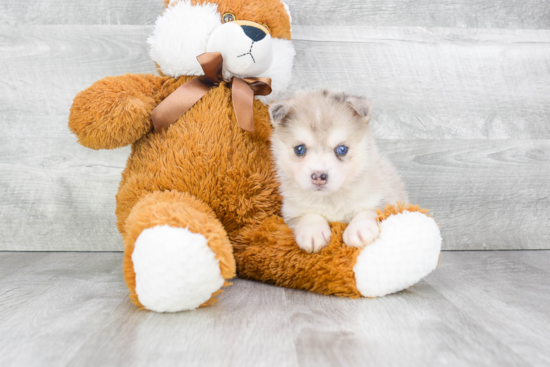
(255, 34)
(246, 47)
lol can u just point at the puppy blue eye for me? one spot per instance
(341, 150)
(300, 150)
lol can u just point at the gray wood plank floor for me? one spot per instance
(477, 309)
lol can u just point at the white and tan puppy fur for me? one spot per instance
(329, 168)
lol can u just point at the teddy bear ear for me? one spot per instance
(280, 113)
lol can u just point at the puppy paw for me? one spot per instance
(361, 233)
(312, 237)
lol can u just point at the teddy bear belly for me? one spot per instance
(208, 156)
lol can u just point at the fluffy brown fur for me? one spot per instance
(205, 156)
(207, 174)
(175, 209)
(268, 253)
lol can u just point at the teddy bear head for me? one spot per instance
(253, 37)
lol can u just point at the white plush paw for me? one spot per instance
(312, 237)
(360, 233)
(407, 250)
(175, 269)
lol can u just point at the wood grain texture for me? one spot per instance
(443, 100)
(426, 84)
(531, 14)
(528, 14)
(476, 309)
(485, 194)
(485, 286)
(109, 12)
(58, 195)
(59, 189)
(43, 67)
(435, 83)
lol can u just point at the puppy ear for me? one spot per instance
(360, 106)
(280, 113)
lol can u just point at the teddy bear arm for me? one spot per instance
(408, 249)
(115, 111)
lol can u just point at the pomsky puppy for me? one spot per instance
(329, 168)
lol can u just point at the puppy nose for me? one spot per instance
(255, 34)
(319, 178)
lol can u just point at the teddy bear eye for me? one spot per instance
(228, 17)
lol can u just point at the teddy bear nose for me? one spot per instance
(255, 34)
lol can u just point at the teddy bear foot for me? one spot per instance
(177, 255)
(175, 269)
(407, 250)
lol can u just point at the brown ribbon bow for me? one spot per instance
(182, 99)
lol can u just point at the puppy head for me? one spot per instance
(253, 37)
(320, 139)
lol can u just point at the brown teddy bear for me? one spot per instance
(198, 202)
